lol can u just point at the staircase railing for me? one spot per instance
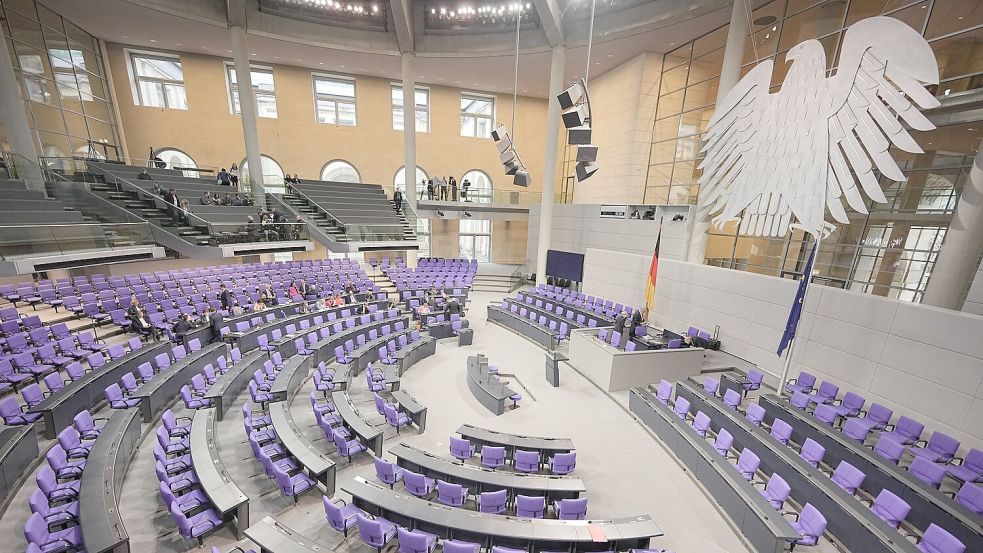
(354, 231)
(518, 278)
(18, 241)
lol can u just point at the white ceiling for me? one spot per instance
(137, 24)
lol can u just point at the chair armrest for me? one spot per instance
(837, 402)
(888, 428)
(793, 513)
(184, 418)
(923, 442)
(204, 524)
(954, 459)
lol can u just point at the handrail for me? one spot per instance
(518, 279)
(39, 239)
(305, 197)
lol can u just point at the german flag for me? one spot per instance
(653, 271)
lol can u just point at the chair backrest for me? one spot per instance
(812, 521)
(891, 508)
(825, 413)
(909, 428)
(799, 400)
(710, 385)
(970, 496)
(927, 471)
(889, 449)
(781, 431)
(732, 398)
(848, 477)
(572, 509)
(812, 452)
(937, 540)
(664, 393)
(755, 413)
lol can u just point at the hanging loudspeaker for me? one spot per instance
(575, 116)
(578, 136)
(571, 96)
(585, 170)
(587, 152)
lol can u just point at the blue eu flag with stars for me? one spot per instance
(796, 311)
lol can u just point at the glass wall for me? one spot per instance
(474, 239)
(61, 73)
(889, 252)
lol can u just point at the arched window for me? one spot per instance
(176, 159)
(399, 181)
(272, 174)
(340, 171)
(480, 191)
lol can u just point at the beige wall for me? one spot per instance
(509, 241)
(212, 136)
(444, 238)
(623, 104)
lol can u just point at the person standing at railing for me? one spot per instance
(186, 212)
(234, 175)
(172, 201)
(430, 189)
(464, 190)
(453, 189)
(144, 175)
(298, 228)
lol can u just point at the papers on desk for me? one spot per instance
(597, 534)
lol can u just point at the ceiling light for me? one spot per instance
(154, 41)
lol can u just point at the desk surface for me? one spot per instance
(408, 403)
(282, 383)
(273, 537)
(102, 481)
(211, 351)
(536, 443)
(215, 480)
(347, 411)
(315, 463)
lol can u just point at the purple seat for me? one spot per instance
(781, 431)
(850, 406)
(747, 464)
(492, 502)
(71, 441)
(971, 496)
(376, 532)
(877, 417)
(937, 540)
(755, 413)
(799, 400)
(340, 517)
(776, 491)
(417, 484)
(346, 447)
(386, 471)
(86, 425)
(37, 532)
(415, 541)
(563, 463)
(971, 468)
(455, 546)
(195, 526)
(753, 381)
(56, 491)
(810, 524)
(890, 508)
(571, 509)
(526, 461)
(848, 477)
(940, 448)
(530, 506)
(461, 448)
(732, 399)
(825, 414)
(114, 395)
(826, 393)
(32, 395)
(723, 442)
(294, 483)
(856, 430)
(927, 471)
(681, 407)
(711, 385)
(803, 383)
(907, 431)
(701, 424)
(493, 456)
(454, 495)
(812, 452)
(889, 449)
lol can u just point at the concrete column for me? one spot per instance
(956, 266)
(730, 73)
(15, 122)
(557, 63)
(247, 110)
(409, 127)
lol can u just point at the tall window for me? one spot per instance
(422, 109)
(423, 235)
(340, 171)
(480, 191)
(474, 241)
(263, 88)
(159, 81)
(176, 159)
(71, 84)
(399, 181)
(334, 100)
(477, 115)
(272, 174)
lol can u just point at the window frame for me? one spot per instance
(416, 110)
(476, 116)
(136, 79)
(230, 68)
(335, 99)
(339, 160)
(473, 237)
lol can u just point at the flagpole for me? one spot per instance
(805, 294)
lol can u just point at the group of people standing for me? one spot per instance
(230, 177)
(445, 189)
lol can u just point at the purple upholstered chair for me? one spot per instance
(492, 502)
(114, 395)
(812, 452)
(454, 495)
(292, 485)
(971, 497)
(927, 471)
(388, 472)
(825, 414)
(55, 492)
(526, 461)
(723, 442)
(781, 431)
(907, 431)
(890, 508)
(877, 417)
(571, 509)
(850, 406)
(37, 532)
(71, 441)
(776, 491)
(711, 385)
(753, 381)
(493, 456)
(563, 463)
(888, 448)
(396, 419)
(811, 524)
(940, 448)
(701, 424)
(530, 506)
(455, 546)
(196, 525)
(747, 464)
(86, 425)
(799, 400)
(755, 413)
(848, 477)
(937, 540)
(340, 517)
(346, 447)
(376, 532)
(732, 399)
(417, 484)
(461, 448)
(826, 393)
(971, 469)
(681, 407)
(415, 541)
(664, 392)
(803, 383)
(856, 430)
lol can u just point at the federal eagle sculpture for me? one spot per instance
(778, 161)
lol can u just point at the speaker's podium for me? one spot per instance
(614, 369)
(553, 360)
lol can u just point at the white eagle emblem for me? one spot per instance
(803, 149)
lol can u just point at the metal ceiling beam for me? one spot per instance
(549, 17)
(236, 13)
(402, 12)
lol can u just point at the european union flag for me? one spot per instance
(796, 311)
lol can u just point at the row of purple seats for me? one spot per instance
(118, 394)
(277, 463)
(192, 394)
(580, 318)
(192, 511)
(560, 331)
(522, 461)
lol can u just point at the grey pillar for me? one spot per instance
(247, 111)
(955, 267)
(15, 122)
(409, 127)
(557, 63)
(730, 73)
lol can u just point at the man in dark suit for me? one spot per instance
(182, 325)
(619, 322)
(636, 321)
(216, 321)
(453, 307)
(226, 297)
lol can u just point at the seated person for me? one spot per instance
(206, 199)
(339, 301)
(259, 305)
(144, 175)
(158, 190)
